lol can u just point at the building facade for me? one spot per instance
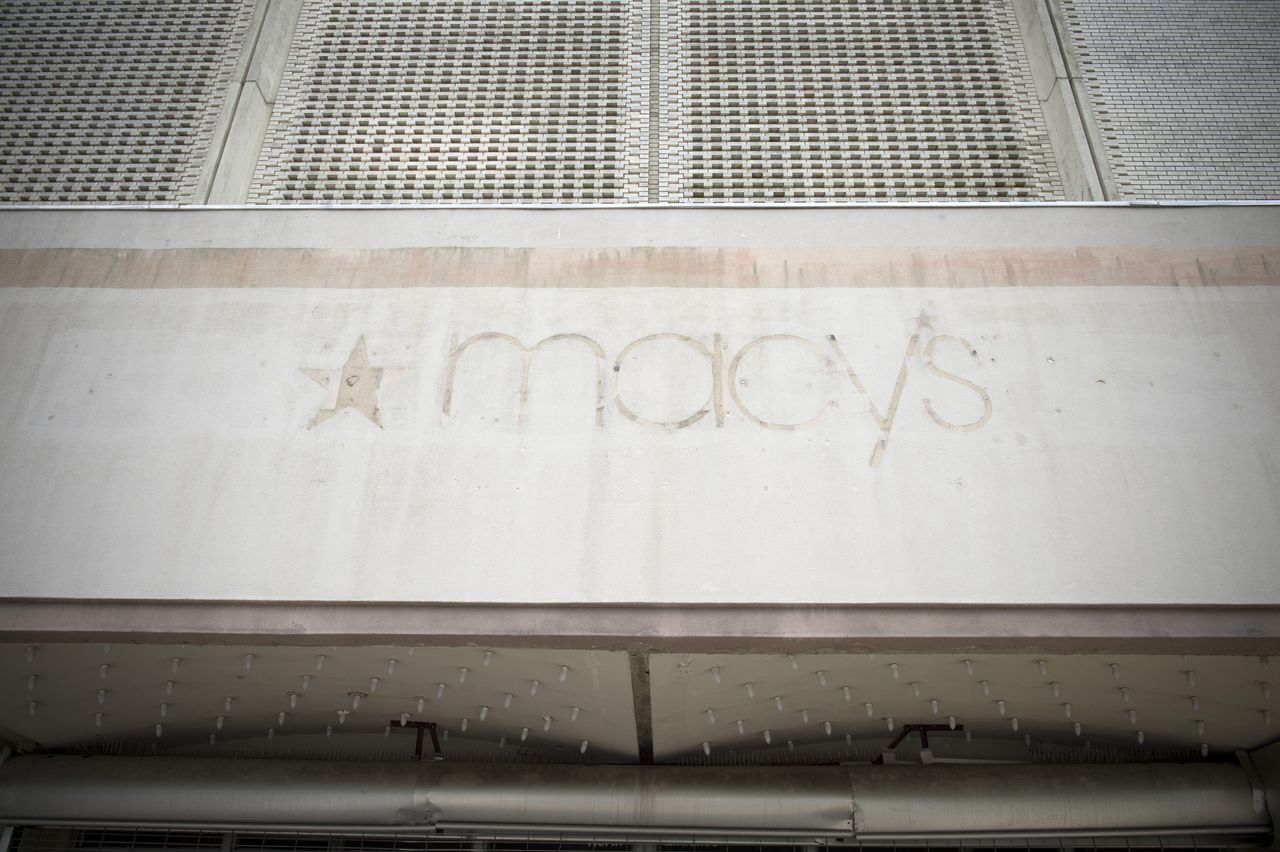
(627, 422)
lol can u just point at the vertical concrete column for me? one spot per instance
(240, 138)
(1077, 149)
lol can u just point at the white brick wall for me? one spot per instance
(624, 101)
(1185, 92)
(112, 100)
(656, 100)
(877, 100)
(457, 100)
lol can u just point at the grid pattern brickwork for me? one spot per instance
(460, 101)
(113, 101)
(671, 144)
(832, 100)
(616, 101)
(641, 120)
(1186, 94)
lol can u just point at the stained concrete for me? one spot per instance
(1054, 438)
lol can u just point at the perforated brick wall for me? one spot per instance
(460, 100)
(657, 101)
(830, 100)
(1186, 94)
(113, 100)
(530, 101)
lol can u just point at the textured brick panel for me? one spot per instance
(831, 100)
(655, 100)
(1186, 94)
(459, 100)
(113, 100)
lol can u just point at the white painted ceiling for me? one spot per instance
(315, 689)
(51, 694)
(865, 695)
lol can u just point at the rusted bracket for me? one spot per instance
(421, 728)
(923, 730)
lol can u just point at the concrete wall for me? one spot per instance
(1040, 405)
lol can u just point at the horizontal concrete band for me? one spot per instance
(658, 627)
(874, 226)
(665, 266)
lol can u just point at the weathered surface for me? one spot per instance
(1050, 442)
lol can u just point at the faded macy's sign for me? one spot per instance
(358, 381)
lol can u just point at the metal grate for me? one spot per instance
(112, 100)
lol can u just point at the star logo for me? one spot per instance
(357, 384)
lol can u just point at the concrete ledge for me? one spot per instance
(660, 628)
(995, 246)
(380, 269)
(946, 226)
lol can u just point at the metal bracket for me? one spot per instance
(1255, 781)
(922, 730)
(421, 728)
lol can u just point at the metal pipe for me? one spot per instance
(531, 829)
(483, 831)
(194, 790)
(962, 836)
(867, 802)
(507, 832)
(990, 798)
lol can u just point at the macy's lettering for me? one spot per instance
(831, 357)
